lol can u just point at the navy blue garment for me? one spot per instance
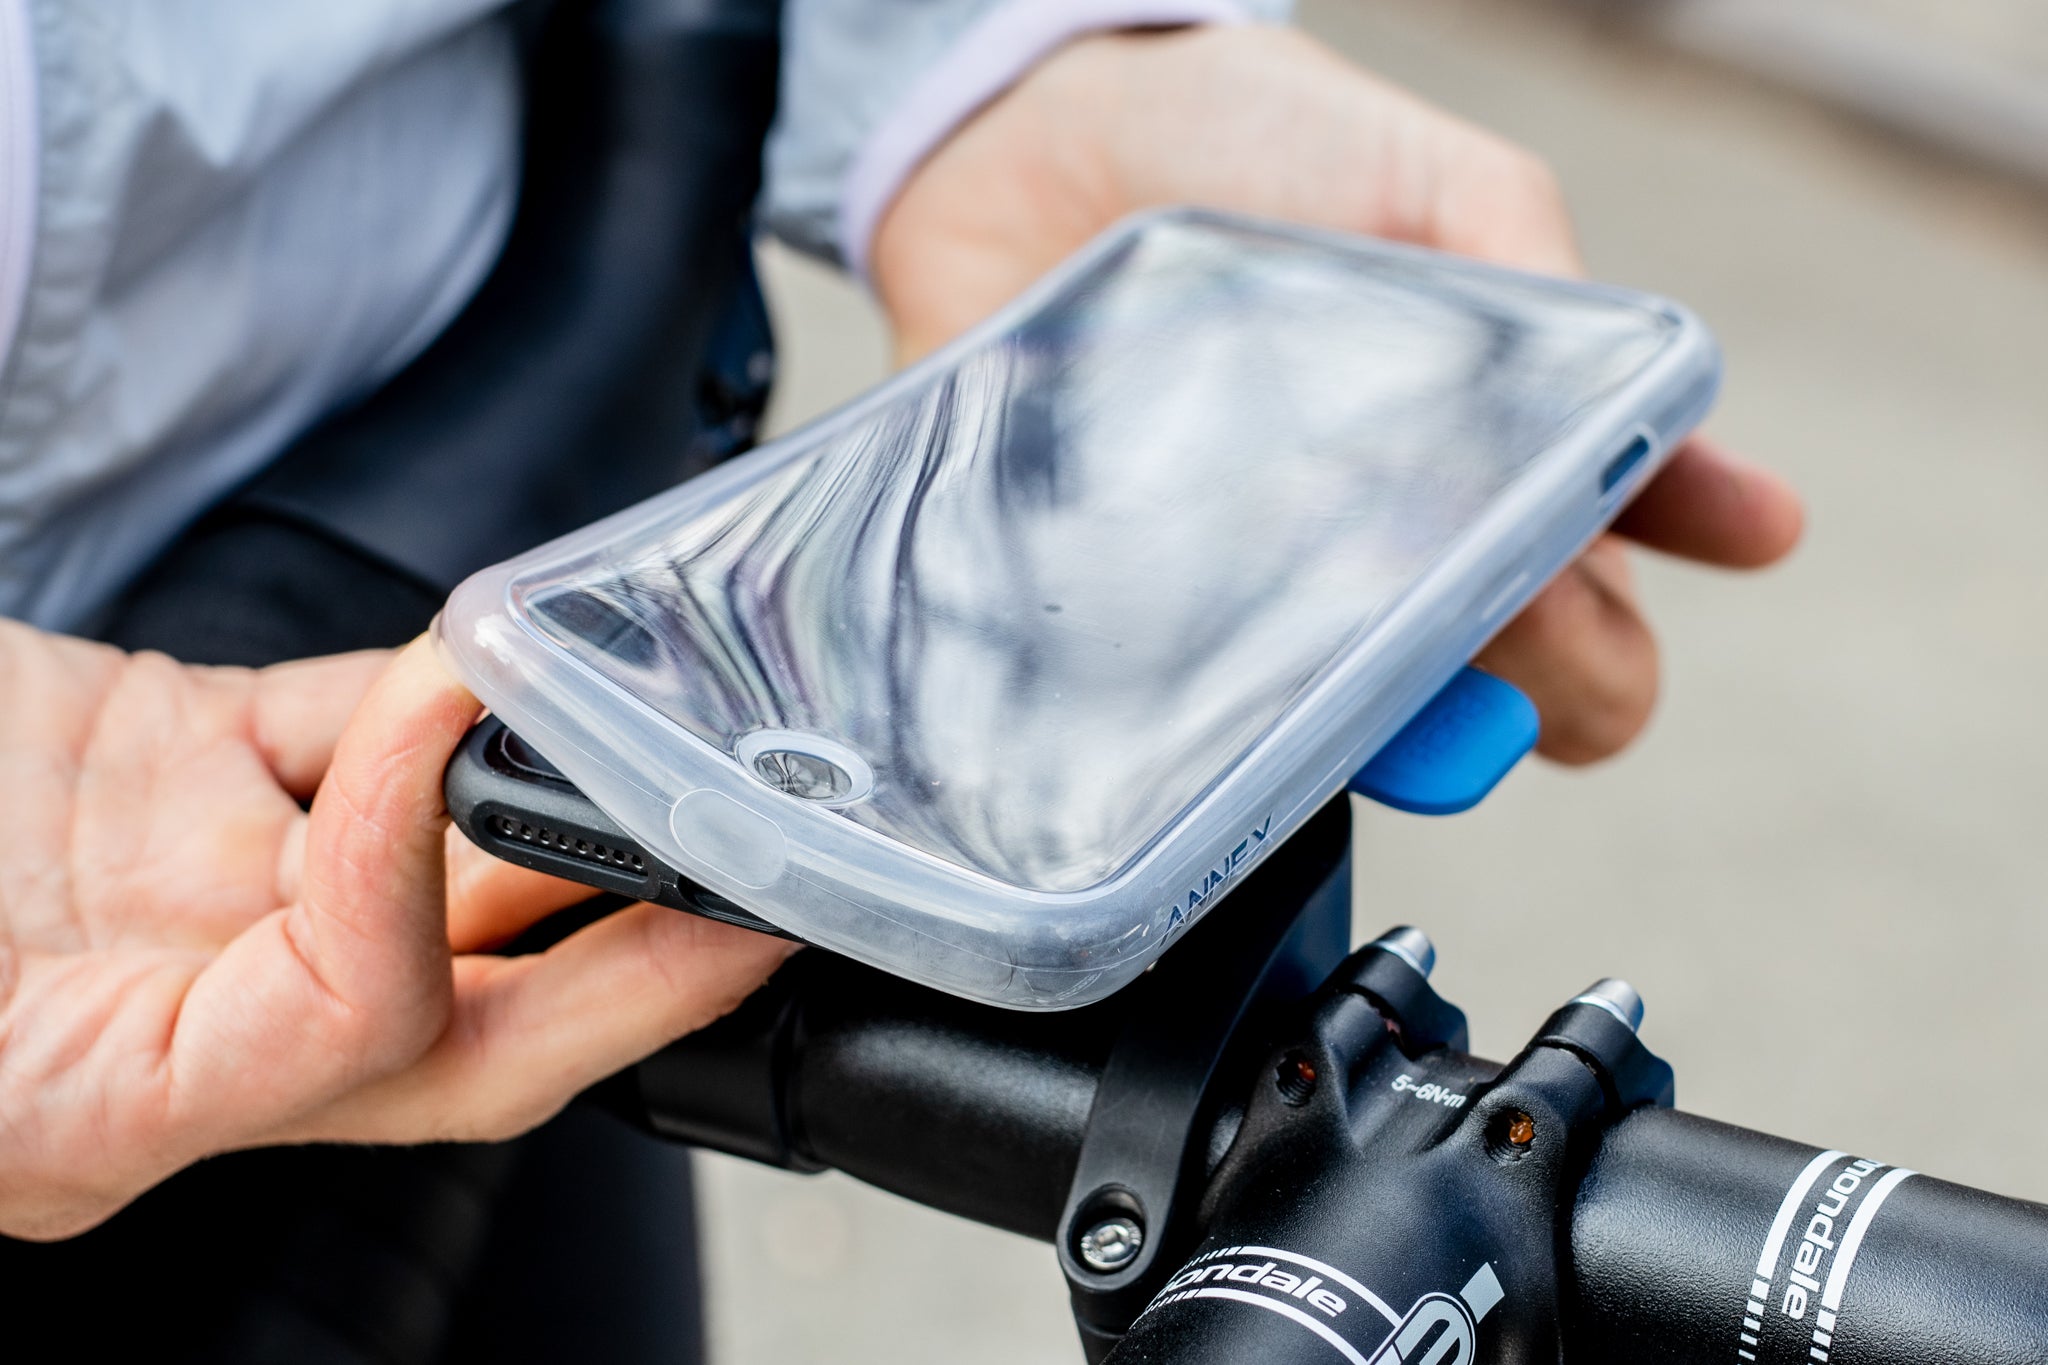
(618, 345)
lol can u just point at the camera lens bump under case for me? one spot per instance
(808, 767)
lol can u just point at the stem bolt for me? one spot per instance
(1112, 1243)
(1411, 945)
(1617, 997)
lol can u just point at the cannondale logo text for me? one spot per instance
(1801, 1291)
(1362, 1328)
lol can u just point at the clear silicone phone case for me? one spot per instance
(1004, 673)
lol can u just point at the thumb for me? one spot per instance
(354, 979)
(371, 918)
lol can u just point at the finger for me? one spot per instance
(1360, 153)
(1490, 199)
(352, 980)
(491, 902)
(371, 910)
(531, 1032)
(1585, 657)
(297, 712)
(1709, 505)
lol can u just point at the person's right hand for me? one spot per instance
(191, 963)
(1267, 121)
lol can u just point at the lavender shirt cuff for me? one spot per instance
(18, 167)
(986, 61)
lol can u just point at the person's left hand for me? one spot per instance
(191, 962)
(1267, 121)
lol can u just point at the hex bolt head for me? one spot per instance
(1112, 1244)
(1617, 997)
(1411, 945)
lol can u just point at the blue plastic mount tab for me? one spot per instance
(1456, 750)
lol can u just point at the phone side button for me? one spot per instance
(721, 834)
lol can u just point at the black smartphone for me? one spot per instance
(515, 805)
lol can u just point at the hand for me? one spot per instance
(191, 963)
(1267, 121)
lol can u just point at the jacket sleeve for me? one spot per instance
(18, 191)
(219, 223)
(870, 87)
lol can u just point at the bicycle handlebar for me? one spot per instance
(983, 1115)
(1675, 1226)
(1344, 1182)
(837, 1066)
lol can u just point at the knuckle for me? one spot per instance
(1604, 714)
(1589, 662)
(1592, 733)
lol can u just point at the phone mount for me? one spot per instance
(1456, 750)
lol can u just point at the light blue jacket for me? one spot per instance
(221, 220)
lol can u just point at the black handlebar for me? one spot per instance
(837, 1066)
(1325, 1174)
(1670, 1224)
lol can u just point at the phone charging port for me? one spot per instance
(1619, 468)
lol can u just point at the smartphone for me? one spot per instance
(513, 803)
(1005, 673)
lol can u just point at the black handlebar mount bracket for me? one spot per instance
(1164, 1109)
(1373, 1142)
(1207, 1226)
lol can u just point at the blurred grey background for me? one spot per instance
(1821, 865)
